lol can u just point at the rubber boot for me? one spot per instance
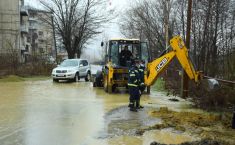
(233, 121)
(132, 107)
(138, 106)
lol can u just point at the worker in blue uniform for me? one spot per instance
(141, 84)
(133, 85)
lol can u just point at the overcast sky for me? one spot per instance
(111, 32)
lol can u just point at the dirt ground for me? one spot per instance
(212, 128)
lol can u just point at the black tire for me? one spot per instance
(99, 79)
(88, 76)
(55, 80)
(76, 78)
(110, 89)
(114, 88)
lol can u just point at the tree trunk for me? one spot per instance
(205, 37)
(79, 53)
(71, 55)
(214, 46)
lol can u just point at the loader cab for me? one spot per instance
(131, 48)
(115, 71)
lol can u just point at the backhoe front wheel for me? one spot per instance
(107, 86)
(88, 77)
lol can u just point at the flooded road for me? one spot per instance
(47, 113)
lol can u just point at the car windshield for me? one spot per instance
(68, 63)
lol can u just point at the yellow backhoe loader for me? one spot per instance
(114, 75)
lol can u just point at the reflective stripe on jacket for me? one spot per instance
(133, 77)
(141, 74)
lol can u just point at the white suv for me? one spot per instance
(72, 69)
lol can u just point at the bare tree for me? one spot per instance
(76, 21)
(212, 34)
(147, 19)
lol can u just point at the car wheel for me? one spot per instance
(76, 78)
(55, 80)
(88, 77)
(99, 79)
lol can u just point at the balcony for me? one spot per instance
(24, 11)
(33, 26)
(24, 29)
(33, 19)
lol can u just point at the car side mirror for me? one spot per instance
(58, 65)
(102, 44)
(80, 65)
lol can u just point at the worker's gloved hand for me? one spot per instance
(142, 84)
(140, 92)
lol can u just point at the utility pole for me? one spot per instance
(166, 23)
(167, 11)
(185, 79)
(53, 26)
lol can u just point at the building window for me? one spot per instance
(29, 39)
(27, 48)
(41, 41)
(41, 50)
(40, 33)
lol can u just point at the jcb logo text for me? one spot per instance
(161, 64)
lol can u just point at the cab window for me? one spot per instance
(81, 63)
(114, 52)
(85, 63)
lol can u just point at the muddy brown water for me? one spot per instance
(47, 113)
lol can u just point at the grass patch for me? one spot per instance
(14, 78)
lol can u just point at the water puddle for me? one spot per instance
(121, 121)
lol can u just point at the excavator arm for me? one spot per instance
(157, 66)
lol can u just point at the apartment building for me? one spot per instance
(23, 30)
(13, 28)
(40, 34)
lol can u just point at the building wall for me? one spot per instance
(9, 25)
